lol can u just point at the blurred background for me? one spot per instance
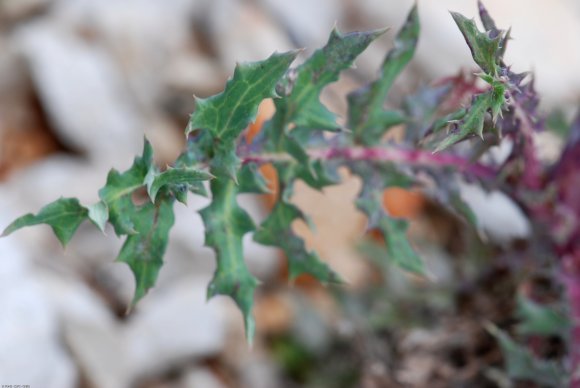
(83, 81)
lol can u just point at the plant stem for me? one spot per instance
(383, 154)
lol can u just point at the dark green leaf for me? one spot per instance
(366, 117)
(277, 231)
(485, 50)
(174, 179)
(302, 106)
(376, 178)
(399, 249)
(227, 114)
(99, 214)
(63, 215)
(143, 250)
(116, 194)
(251, 180)
(226, 223)
(473, 122)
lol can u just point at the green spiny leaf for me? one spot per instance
(63, 215)
(116, 194)
(497, 100)
(473, 121)
(174, 179)
(319, 174)
(376, 178)
(251, 180)
(188, 159)
(99, 214)
(302, 106)
(227, 114)
(366, 117)
(314, 173)
(485, 50)
(226, 223)
(143, 250)
(277, 231)
(399, 249)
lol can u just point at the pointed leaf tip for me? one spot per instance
(174, 179)
(117, 192)
(486, 49)
(226, 223)
(366, 114)
(99, 214)
(64, 216)
(143, 251)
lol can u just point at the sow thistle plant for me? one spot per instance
(449, 126)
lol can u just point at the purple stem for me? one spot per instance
(384, 154)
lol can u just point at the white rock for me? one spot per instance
(201, 378)
(39, 306)
(14, 264)
(241, 32)
(29, 338)
(549, 146)
(497, 215)
(73, 300)
(82, 92)
(57, 176)
(195, 74)
(14, 82)
(174, 326)
(258, 371)
(136, 32)
(263, 261)
(92, 333)
(308, 22)
(100, 353)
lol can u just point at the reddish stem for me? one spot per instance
(384, 154)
